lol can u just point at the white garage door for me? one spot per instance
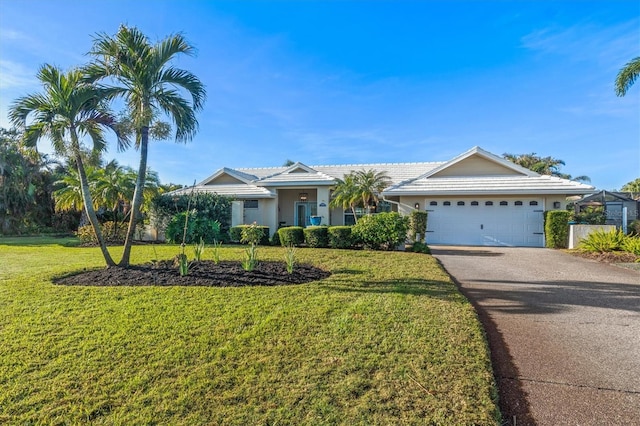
(465, 221)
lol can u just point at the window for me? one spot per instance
(433, 203)
(446, 203)
(461, 203)
(488, 203)
(250, 204)
(518, 203)
(504, 203)
(533, 203)
(474, 203)
(383, 207)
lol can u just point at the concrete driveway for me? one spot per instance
(564, 332)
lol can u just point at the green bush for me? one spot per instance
(211, 206)
(419, 247)
(591, 216)
(199, 227)
(634, 227)
(275, 239)
(556, 228)
(631, 244)
(316, 236)
(417, 225)
(235, 234)
(291, 235)
(383, 231)
(340, 237)
(112, 233)
(603, 241)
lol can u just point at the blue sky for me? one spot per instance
(338, 82)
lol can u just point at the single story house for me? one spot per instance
(476, 198)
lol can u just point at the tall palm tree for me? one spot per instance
(150, 87)
(627, 76)
(66, 111)
(370, 185)
(69, 196)
(346, 195)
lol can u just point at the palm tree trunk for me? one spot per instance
(355, 216)
(137, 196)
(91, 213)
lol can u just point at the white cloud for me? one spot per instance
(15, 75)
(613, 45)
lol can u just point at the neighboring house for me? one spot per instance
(614, 204)
(477, 198)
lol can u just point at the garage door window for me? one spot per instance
(474, 203)
(488, 203)
(533, 203)
(433, 203)
(446, 203)
(504, 203)
(518, 203)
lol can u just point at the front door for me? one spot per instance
(303, 212)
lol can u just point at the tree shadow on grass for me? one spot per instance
(408, 286)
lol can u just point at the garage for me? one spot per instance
(488, 222)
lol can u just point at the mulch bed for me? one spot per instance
(607, 257)
(204, 273)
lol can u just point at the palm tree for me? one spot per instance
(150, 87)
(346, 195)
(370, 185)
(68, 196)
(65, 112)
(543, 165)
(627, 76)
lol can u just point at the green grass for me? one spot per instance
(387, 339)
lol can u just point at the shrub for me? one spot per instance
(383, 231)
(556, 228)
(211, 206)
(275, 239)
(631, 244)
(235, 234)
(316, 236)
(112, 233)
(417, 225)
(591, 216)
(340, 237)
(634, 227)
(419, 247)
(198, 227)
(291, 235)
(603, 241)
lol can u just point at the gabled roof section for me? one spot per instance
(478, 162)
(297, 174)
(226, 176)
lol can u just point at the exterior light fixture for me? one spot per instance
(303, 196)
(417, 206)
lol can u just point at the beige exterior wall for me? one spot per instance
(287, 200)
(476, 166)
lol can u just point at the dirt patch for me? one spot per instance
(205, 273)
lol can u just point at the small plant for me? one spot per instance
(216, 251)
(290, 258)
(183, 264)
(419, 247)
(251, 258)
(198, 250)
(603, 241)
(251, 235)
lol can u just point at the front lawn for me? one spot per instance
(386, 339)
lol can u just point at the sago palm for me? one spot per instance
(66, 111)
(142, 75)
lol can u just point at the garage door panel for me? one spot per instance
(494, 225)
